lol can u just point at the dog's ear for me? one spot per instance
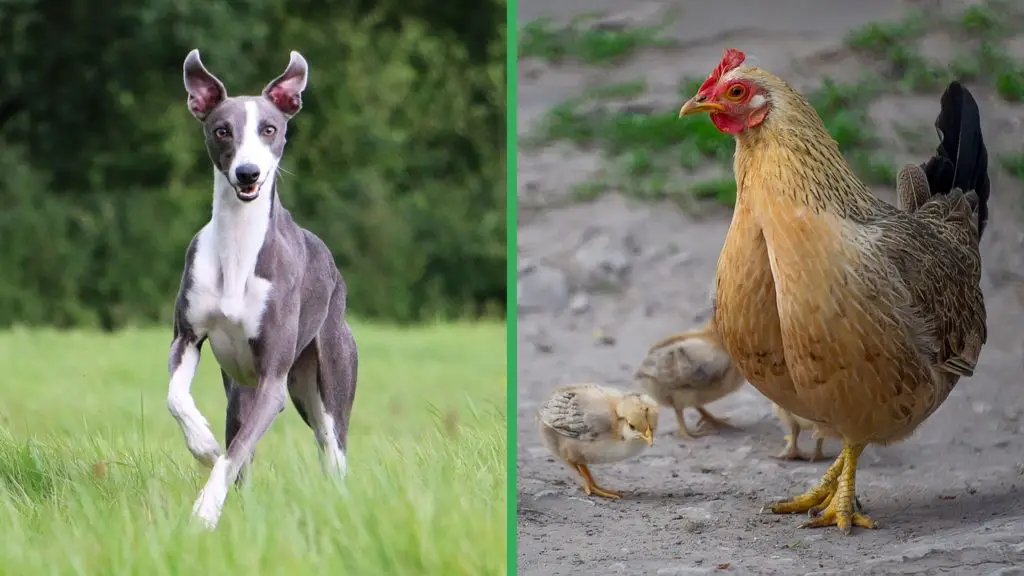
(205, 92)
(285, 91)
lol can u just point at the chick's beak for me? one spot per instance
(649, 437)
(700, 103)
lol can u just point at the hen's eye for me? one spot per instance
(736, 91)
(269, 131)
(221, 133)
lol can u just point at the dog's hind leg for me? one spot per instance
(322, 385)
(339, 367)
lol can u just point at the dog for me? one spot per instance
(263, 291)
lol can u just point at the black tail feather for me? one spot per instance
(961, 161)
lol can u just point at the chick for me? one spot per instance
(586, 424)
(690, 370)
(795, 424)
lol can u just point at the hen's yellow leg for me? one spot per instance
(591, 487)
(841, 508)
(816, 496)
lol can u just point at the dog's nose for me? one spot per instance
(247, 174)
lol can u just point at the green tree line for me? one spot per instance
(397, 159)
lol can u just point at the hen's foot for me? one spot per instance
(591, 488)
(707, 419)
(817, 496)
(838, 505)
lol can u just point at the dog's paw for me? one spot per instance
(207, 510)
(208, 506)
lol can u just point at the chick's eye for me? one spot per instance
(736, 91)
(631, 427)
(269, 131)
(221, 133)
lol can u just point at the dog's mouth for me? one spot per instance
(247, 192)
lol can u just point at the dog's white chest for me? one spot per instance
(226, 302)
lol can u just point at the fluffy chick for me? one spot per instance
(586, 424)
(796, 424)
(689, 370)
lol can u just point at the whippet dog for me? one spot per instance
(262, 290)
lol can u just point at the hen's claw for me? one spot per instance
(833, 502)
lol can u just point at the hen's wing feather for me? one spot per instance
(579, 412)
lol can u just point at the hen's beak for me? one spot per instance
(699, 104)
(649, 437)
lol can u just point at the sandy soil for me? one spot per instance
(948, 501)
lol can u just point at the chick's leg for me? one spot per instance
(841, 509)
(818, 453)
(685, 431)
(709, 419)
(591, 487)
(792, 449)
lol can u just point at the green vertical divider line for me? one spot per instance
(510, 280)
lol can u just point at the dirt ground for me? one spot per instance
(950, 500)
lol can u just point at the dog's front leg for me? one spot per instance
(183, 361)
(270, 401)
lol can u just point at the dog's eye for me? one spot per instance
(269, 131)
(221, 133)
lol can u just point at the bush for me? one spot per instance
(396, 160)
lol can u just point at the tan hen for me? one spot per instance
(836, 305)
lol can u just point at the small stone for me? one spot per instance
(542, 289)
(579, 304)
(603, 338)
(540, 494)
(603, 263)
(682, 571)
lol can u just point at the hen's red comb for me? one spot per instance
(730, 61)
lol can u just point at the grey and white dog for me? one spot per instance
(263, 291)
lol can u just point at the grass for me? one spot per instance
(582, 40)
(1013, 163)
(95, 477)
(979, 32)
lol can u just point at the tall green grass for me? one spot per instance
(95, 477)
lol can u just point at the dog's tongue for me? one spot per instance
(248, 190)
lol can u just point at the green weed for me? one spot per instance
(543, 39)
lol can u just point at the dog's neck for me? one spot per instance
(239, 230)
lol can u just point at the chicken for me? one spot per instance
(796, 424)
(690, 369)
(837, 306)
(586, 424)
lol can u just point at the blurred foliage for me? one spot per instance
(397, 159)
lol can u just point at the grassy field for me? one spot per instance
(96, 478)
